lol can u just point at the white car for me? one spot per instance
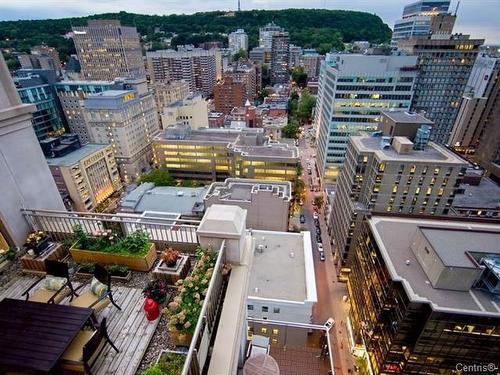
(320, 247)
(315, 216)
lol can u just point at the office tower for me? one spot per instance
(353, 89)
(229, 94)
(266, 34)
(128, 120)
(47, 118)
(191, 110)
(482, 86)
(107, 50)
(294, 57)
(238, 40)
(85, 176)
(422, 294)
(25, 177)
(417, 19)
(44, 50)
(280, 56)
(72, 96)
(195, 66)
(260, 55)
(216, 154)
(167, 92)
(311, 62)
(444, 65)
(398, 172)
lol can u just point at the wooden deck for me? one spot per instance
(129, 329)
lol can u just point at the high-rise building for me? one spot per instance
(266, 34)
(311, 62)
(398, 172)
(294, 56)
(280, 56)
(216, 154)
(106, 50)
(128, 120)
(45, 50)
(417, 19)
(39, 61)
(72, 96)
(260, 55)
(238, 40)
(85, 176)
(196, 66)
(247, 73)
(167, 92)
(422, 295)
(24, 174)
(444, 65)
(228, 94)
(353, 90)
(191, 110)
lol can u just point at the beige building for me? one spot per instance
(216, 154)
(167, 92)
(106, 50)
(384, 174)
(128, 121)
(88, 175)
(267, 202)
(191, 110)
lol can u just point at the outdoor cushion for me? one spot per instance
(74, 352)
(88, 298)
(54, 283)
(43, 295)
(98, 288)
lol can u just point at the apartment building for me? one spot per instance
(267, 202)
(353, 90)
(86, 176)
(280, 58)
(216, 154)
(266, 34)
(107, 50)
(238, 40)
(311, 62)
(391, 173)
(295, 54)
(128, 121)
(196, 66)
(167, 92)
(423, 300)
(228, 94)
(247, 73)
(192, 110)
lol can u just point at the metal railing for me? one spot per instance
(206, 327)
(162, 230)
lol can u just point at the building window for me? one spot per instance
(381, 167)
(263, 330)
(265, 309)
(276, 310)
(276, 331)
(413, 168)
(250, 307)
(274, 340)
(436, 170)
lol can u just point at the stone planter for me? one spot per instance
(172, 274)
(135, 263)
(180, 339)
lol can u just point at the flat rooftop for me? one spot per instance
(407, 117)
(432, 153)
(75, 156)
(283, 269)
(236, 189)
(484, 195)
(111, 94)
(208, 135)
(451, 238)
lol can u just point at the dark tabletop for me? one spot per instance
(33, 335)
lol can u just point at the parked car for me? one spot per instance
(302, 219)
(318, 230)
(320, 247)
(322, 256)
(316, 222)
(315, 216)
(319, 239)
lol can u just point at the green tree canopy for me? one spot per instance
(160, 177)
(299, 76)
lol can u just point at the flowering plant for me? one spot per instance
(170, 257)
(34, 238)
(184, 311)
(156, 290)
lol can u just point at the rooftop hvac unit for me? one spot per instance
(260, 249)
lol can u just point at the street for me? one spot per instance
(330, 292)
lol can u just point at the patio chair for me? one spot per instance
(97, 296)
(57, 284)
(85, 349)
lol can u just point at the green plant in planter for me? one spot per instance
(154, 370)
(157, 291)
(117, 270)
(135, 243)
(87, 268)
(172, 363)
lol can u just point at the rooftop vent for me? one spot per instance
(260, 249)
(180, 193)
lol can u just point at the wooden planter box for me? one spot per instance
(171, 275)
(36, 263)
(115, 278)
(135, 263)
(180, 339)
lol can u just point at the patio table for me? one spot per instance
(34, 336)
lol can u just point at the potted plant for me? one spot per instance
(37, 242)
(184, 311)
(170, 362)
(106, 247)
(116, 271)
(170, 257)
(156, 290)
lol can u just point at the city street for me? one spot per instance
(330, 291)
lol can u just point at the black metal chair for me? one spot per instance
(89, 299)
(85, 349)
(43, 294)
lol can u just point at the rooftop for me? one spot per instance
(484, 195)
(111, 93)
(284, 269)
(432, 153)
(451, 239)
(74, 157)
(407, 117)
(236, 189)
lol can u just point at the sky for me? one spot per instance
(479, 18)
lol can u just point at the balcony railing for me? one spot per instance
(163, 229)
(198, 355)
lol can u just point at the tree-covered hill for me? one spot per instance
(316, 28)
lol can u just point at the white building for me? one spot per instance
(238, 40)
(353, 89)
(192, 111)
(266, 34)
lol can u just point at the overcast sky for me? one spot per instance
(480, 18)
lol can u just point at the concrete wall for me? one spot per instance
(427, 257)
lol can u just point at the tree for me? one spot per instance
(191, 183)
(318, 201)
(160, 177)
(291, 130)
(299, 168)
(306, 105)
(241, 54)
(299, 76)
